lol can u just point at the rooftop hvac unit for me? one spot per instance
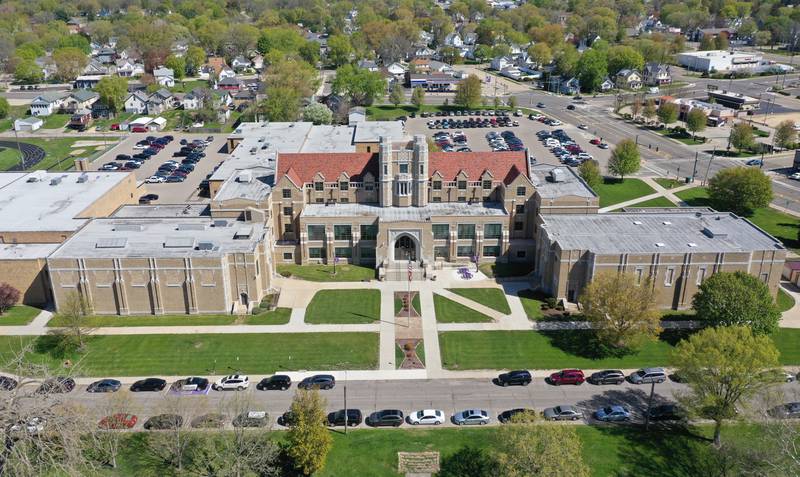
(557, 175)
(191, 227)
(245, 176)
(83, 178)
(128, 228)
(220, 223)
(55, 181)
(36, 176)
(205, 246)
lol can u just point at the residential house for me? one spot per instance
(106, 55)
(80, 119)
(160, 101)
(79, 100)
(628, 79)
(136, 102)
(244, 96)
(607, 84)
(439, 67)
(128, 68)
(96, 68)
(28, 124)
(100, 110)
(229, 84)
(87, 81)
(511, 72)
(226, 72)
(424, 53)
(501, 62)
(75, 25)
(240, 63)
(470, 38)
(215, 64)
(396, 69)
(164, 76)
(454, 40)
(221, 99)
(368, 65)
(47, 65)
(258, 62)
(180, 47)
(47, 104)
(656, 74)
(571, 86)
(425, 38)
(193, 100)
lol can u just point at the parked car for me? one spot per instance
(155, 179)
(8, 384)
(613, 413)
(352, 417)
(795, 176)
(506, 416)
(471, 417)
(426, 416)
(239, 382)
(149, 384)
(386, 417)
(192, 383)
(666, 412)
(607, 376)
(147, 198)
(175, 178)
(563, 412)
(789, 410)
(163, 421)
(567, 376)
(515, 378)
(754, 162)
(120, 420)
(251, 419)
(123, 157)
(603, 145)
(104, 386)
(58, 384)
(208, 421)
(648, 375)
(318, 381)
(286, 419)
(571, 107)
(279, 382)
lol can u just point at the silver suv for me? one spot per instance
(648, 375)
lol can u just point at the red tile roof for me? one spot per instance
(474, 164)
(304, 166)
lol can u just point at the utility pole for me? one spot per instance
(345, 402)
(713, 153)
(19, 149)
(649, 405)
(694, 169)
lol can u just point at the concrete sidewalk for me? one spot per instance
(660, 192)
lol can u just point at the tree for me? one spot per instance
(308, 438)
(178, 66)
(785, 134)
(310, 52)
(70, 62)
(360, 85)
(623, 56)
(541, 54)
(567, 59)
(622, 310)
(667, 113)
(9, 296)
(590, 173)
(741, 190)
(625, 159)
(171, 447)
(195, 57)
(468, 462)
(317, 113)
(468, 92)
(707, 43)
(649, 111)
(418, 97)
(339, 50)
(738, 298)
(27, 71)
(282, 104)
(512, 102)
(741, 136)
(721, 41)
(482, 52)
(292, 73)
(591, 69)
(696, 121)
(397, 96)
(636, 107)
(73, 313)
(5, 108)
(450, 54)
(723, 367)
(112, 91)
(525, 449)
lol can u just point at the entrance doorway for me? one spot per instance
(405, 249)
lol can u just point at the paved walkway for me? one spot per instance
(791, 317)
(669, 194)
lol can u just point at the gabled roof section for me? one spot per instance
(474, 164)
(330, 165)
(513, 173)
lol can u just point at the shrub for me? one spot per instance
(551, 302)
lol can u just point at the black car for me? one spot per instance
(608, 376)
(286, 419)
(147, 198)
(164, 421)
(506, 416)
(141, 156)
(123, 157)
(666, 412)
(279, 382)
(386, 417)
(168, 137)
(58, 384)
(7, 384)
(104, 386)
(180, 153)
(149, 384)
(352, 417)
(183, 141)
(515, 378)
(318, 381)
(132, 165)
(570, 107)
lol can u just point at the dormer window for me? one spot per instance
(437, 185)
(487, 185)
(318, 186)
(344, 185)
(462, 185)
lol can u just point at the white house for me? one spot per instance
(28, 124)
(192, 100)
(424, 53)
(258, 62)
(656, 74)
(511, 72)
(368, 65)
(501, 62)
(397, 69)
(128, 68)
(164, 76)
(470, 38)
(136, 102)
(81, 99)
(240, 62)
(571, 86)
(607, 84)
(226, 72)
(46, 104)
(454, 39)
(628, 78)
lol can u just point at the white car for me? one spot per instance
(155, 179)
(583, 126)
(795, 176)
(426, 416)
(238, 382)
(139, 145)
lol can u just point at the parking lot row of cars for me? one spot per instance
(147, 148)
(504, 141)
(174, 171)
(449, 142)
(479, 122)
(564, 147)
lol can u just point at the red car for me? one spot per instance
(115, 127)
(118, 421)
(567, 376)
(595, 142)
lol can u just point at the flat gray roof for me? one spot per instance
(402, 214)
(40, 206)
(166, 210)
(672, 231)
(161, 238)
(372, 131)
(26, 251)
(251, 184)
(572, 184)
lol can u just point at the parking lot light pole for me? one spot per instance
(649, 405)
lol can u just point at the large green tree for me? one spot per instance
(624, 56)
(339, 50)
(723, 367)
(591, 69)
(112, 91)
(625, 159)
(178, 66)
(696, 121)
(418, 97)
(195, 58)
(70, 62)
(740, 189)
(397, 95)
(468, 92)
(360, 85)
(741, 136)
(590, 173)
(667, 113)
(5, 108)
(785, 134)
(738, 298)
(27, 71)
(308, 438)
(317, 113)
(282, 104)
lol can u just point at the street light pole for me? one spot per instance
(649, 405)
(345, 402)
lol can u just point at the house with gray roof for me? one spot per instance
(47, 103)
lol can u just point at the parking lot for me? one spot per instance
(476, 138)
(175, 192)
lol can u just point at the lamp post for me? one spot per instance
(345, 402)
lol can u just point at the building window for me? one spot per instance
(344, 186)
(369, 187)
(287, 211)
(491, 251)
(462, 185)
(520, 209)
(487, 185)
(316, 232)
(369, 232)
(440, 252)
(638, 273)
(765, 277)
(520, 253)
(318, 186)
(701, 275)
(437, 199)
(462, 198)
(343, 252)
(437, 185)
(521, 191)
(440, 231)
(669, 277)
(367, 252)
(287, 193)
(404, 168)
(466, 231)
(519, 225)
(288, 256)
(288, 228)
(315, 252)
(465, 251)
(403, 188)
(344, 200)
(422, 169)
(320, 200)
(342, 232)
(493, 230)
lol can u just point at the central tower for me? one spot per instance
(403, 173)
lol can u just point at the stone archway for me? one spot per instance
(405, 249)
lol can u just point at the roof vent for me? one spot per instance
(36, 176)
(692, 244)
(243, 233)
(128, 228)
(660, 244)
(220, 223)
(179, 242)
(245, 177)
(713, 232)
(557, 175)
(637, 222)
(205, 246)
(55, 181)
(191, 227)
(112, 242)
(83, 178)
(666, 222)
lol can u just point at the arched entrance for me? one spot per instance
(405, 248)
(245, 300)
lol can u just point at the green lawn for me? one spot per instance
(695, 197)
(668, 183)
(448, 311)
(344, 306)
(494, 298)
(501, 270)
(278, 316)
(398, 304)
(563, 349)
(324, 273)
(657, 202)
(188, 85)
(199, 354)
(613, 191)
(532, 303)
(785, 300)
(19, 315)
(58, 152)
(15, 112)
(55, 121)
(684, 138)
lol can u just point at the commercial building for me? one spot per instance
(722, 61)
(733, 100)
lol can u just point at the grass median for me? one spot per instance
(449, 311)
(324, 273)
(19, 315)
(165, 355)
(279, 316)
(614, 191)
(344, 307)
(493, 298)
